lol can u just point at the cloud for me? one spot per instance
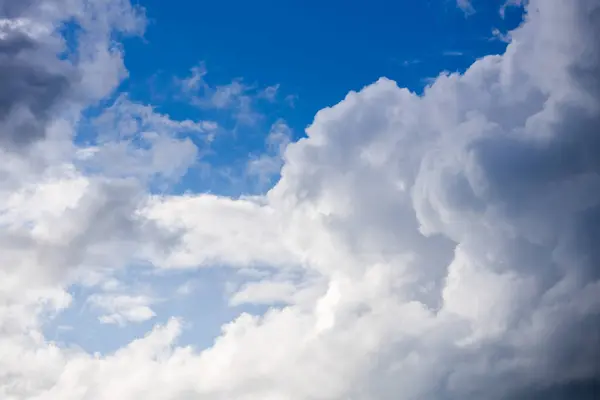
(268, 164)
(408, 63)
(121, 308)
(453, 237)
(134, 140)
(270, 93)
(267, 292)
(291, 100)
(466, 6)
(454, 53)
(34, 81)
(236, 97)
(498, 35)
(218, 230)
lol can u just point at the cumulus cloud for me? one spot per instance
(453, 237)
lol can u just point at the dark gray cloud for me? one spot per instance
(584, 390)
(29, 90)
(33, 81)
(15, 8)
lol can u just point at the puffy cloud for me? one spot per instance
(446, 244)
(122, 308)
(215, 230)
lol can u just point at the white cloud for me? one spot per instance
(453, 236)
(270, 93)
(216, 230)
(498, 35)
(134, 140)
(267, 292)
(122, 308)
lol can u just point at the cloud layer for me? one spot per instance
(442, 246)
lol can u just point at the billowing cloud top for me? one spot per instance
(441, 246)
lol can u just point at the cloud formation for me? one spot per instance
(442, 246)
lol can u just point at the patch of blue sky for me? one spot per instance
(200, 297)
(316, 51)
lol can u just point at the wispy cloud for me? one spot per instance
(237, 97)
(269, 93)
(498, 35)
(291, 100)
(466, 6)
(453, 53)
(407, 63)
(267, 165)
(122, 309)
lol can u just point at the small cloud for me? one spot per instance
(196, 79)
(291, 99)
(268, 164)
(269, 93)
(407, 63)
(121, 309)
(64, 328)
(236, 96)
(453, 53)
(503, 37)
(227, 95)
(466, 7)
(186, 288)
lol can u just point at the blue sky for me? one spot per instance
(315, 51)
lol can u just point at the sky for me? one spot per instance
(299, 200)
